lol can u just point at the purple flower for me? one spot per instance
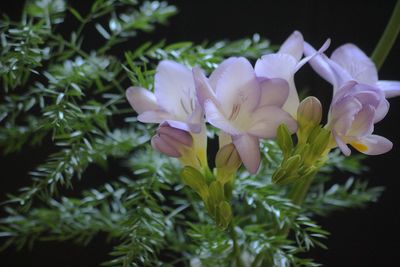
(175, 106)
(174, 99)
(354, 110)
(349, 63)
(242, 106)
(284, 64)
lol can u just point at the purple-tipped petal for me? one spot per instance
(294, 45)
(249, 151)
(141, 99)
(179, 135)
(204, 90)
(373, 145)
(356, 62)
(216, 118)
(390, 88)
(162, 146)
(274, 92)
(266, 120)
(238, 85)
(174, 88)
(363, 123)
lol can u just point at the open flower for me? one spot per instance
(240, 105)
(353, 112)
(175, 106)
(174, 99)
(348, 63)
(284, 64)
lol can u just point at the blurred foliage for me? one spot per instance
(57, 92)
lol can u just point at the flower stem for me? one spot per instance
(297, 195)
(388, 38)
(236, 249)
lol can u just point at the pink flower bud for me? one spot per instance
(171, 141)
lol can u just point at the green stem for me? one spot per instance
(297, 195)
(388, 38)
(236, 249)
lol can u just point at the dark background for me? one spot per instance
(366, 237)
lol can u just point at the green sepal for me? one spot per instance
(284, 140)
(196, 180)
(216, 195)
(320, 143)
(224, 214)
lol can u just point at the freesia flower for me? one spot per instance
(174, 98)
(348, 63)
(284, 64)
(173, 104)
(240, 105)
(353, 112)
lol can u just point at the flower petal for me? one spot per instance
(217, 73)
(160, 145)
(274, 92)
(216, 118)
(329, 70)
(174, 88)
(141, 99)
(390, 88)
(373, 145)
(280, 66)
(249, 151)
(342, 145)
(184, 126)
(276, 66)
(179, 135)
(154, 116)
(357, 63)
(363, 123)
(238, 85)
(342, 114)
(204, 90)
(323, 48)
(294, 45)
(381, 110)
(265, 121)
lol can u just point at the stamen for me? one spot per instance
(235, 112)
(183, 106)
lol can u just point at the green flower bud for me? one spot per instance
(309, 112)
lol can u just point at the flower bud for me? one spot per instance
(309, 112)
(171, 141)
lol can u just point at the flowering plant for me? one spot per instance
(223, 160)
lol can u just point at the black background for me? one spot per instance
(366, 237)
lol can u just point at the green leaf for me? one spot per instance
(102, 31)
